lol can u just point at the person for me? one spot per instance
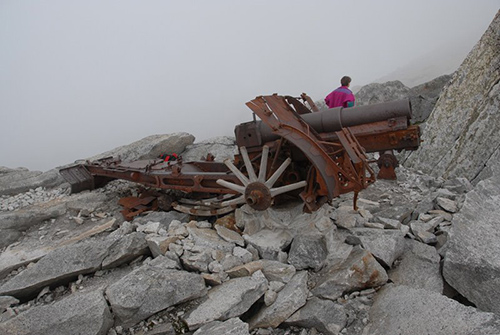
(342, 96)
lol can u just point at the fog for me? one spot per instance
(81, 77)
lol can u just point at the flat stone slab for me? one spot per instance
(80, 313)
(407, 311)
(151, 288)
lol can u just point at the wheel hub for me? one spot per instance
(258, 196)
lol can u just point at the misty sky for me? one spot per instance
(81, 77)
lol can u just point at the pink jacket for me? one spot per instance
(340, 97)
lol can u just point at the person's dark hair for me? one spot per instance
(345, 81)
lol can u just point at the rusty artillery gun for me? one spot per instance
(293, 151)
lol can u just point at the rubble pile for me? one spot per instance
(78, 267)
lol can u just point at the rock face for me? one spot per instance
(463, 131)
(150, 147)
(13, 181)
(423, 97)
(471, 263)
(221, 147)
(152, 288)
(84, 314)
(405, 311)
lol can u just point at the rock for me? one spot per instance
(57, 267)
(232, 326)
(376, 93)
(373, 225)
(389, 223)
(21, 220)
(125, 249)
(6, 302)
(16, 181)
(270, 297)
(88, 202)
(406, 311)
(385, 245)
(151, 288)
(269, 243)
(462, 134)
(159, 245)
(208, 238)
(230, 235)
(418, 268)
(273, 270)
(221, 147)
(164, 218)
(447, 204)
(228, 300)
(426, 237)
(324, 315)
(402, 213)
(471, 264)
(197, 261)
(359, 271)
(290, 298)
(149, 228)
(149, 147)
(346, 217)
(81, 313)
(243, 254)
(308, 251)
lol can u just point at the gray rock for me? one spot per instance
(164, 218)
(273, 270)
(390, 223)
(447, 204)
(149, 147)
(346, 217)
(402, 213)
(230, 235)
(385, 245)
(228, 300)
(159, 245)
(6, 302)
(57, 267)
(197, 261)
(81, 313)
(463, 130)
(403, 310)
(208, 238)
(9, 236)
(125, 250)
(232, 326)
(269, 243)
(418, 268)
(152, 288)
(290, 298)
(471, 263)
(221, 147)
(359, 271)
(88, 201)
(21, 180)
(426, 237)
(308, 251)
(324, 315)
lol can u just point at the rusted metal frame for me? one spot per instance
(301, 135)
(311, 103)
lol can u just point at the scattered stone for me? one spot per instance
(125, 249)
(273, 270)
(447, 204)
(359, 271)
(269, 243)
(151, 288)
(228, 300)
(159, 245)
(389, 223)
(291, 298)
(232, 326)
(324, 315)
(6, 302)
(208, 238)
(308, 251)
(230, 235)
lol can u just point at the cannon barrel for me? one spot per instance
(256, 133)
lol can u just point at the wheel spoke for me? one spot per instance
(236, 201)
(263, 164)
(231, 186)
(278, 173)
(244, 180)
(248, 164)
(283, 189)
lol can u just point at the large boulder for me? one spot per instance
(401, 310)
(232, 326)
(292, 297)
(221, 147)
(152, 288)
(79, 314)
(376, 93)
(463, 130)
(228, 300)
(471, 263)
(149, 147)
(14, 181)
